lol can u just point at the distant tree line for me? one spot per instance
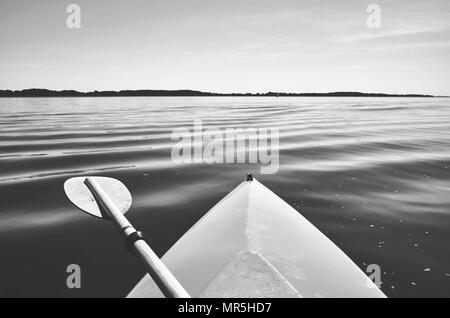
(35, 92)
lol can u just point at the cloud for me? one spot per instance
(375, 34)
(413, 45)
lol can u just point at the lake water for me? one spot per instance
(373, 174)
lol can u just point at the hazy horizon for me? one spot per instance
(219, 94)
(227, 47)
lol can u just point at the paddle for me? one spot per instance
(108, 198)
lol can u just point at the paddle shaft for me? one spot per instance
(161, 275)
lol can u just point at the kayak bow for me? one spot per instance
(253, 244)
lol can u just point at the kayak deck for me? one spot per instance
(249, 275)
(253, 244)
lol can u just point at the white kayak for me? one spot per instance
(254, 244)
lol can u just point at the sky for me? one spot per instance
(227, 46)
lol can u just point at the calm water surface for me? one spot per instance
(373, 174)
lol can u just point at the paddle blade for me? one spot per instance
(80, 195)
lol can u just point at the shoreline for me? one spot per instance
(40, 93)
